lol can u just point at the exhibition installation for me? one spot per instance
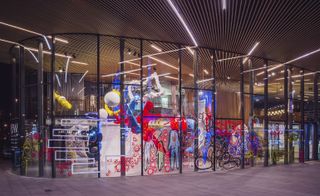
(97, 105)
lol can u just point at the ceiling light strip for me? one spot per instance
(15, 43)
(183, 22)
(85, 73)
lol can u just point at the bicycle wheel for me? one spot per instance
(202, 164)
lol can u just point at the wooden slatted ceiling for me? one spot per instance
(285, 29)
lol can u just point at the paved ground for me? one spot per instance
(297, 179)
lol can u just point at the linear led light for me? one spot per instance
(224, 4)
(27, 30)
(58, 80)
(160, 75)
(298, 76)
(59, 39)
(85, 73)
(190, 50)
(81, 90)
(156, 48)
(205, 80)
(206, 71)
(291, 61)
(136, 64)
(15, 43)
(231, 58)
(80, 63)
(155, 54)
(270, 69)
(66, 72)
(56, 54)
(135, 74)
(163, 62)
(127, 72)
(35, 33)
(183, 22)
(251, 51)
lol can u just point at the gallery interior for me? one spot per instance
(90, 104)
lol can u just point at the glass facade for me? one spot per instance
(105, 106)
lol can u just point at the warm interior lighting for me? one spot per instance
(251, 51)
(231, 58)
(224, 4)
(85, 73)
(156, 48)
(80, 63)
(291, 61)
(66, 71)
(205, 80)
(163, 62)
(15, 43)
(127, 72)
(190, 50)
(191, 75)
(183, 22)
(58, 80)
(206, 71)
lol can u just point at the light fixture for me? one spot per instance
(60, 70)
(155, 54)
(206, 71)
(291, 61)
(163, 62)
(81, 90)
(160, 75)
(231, 58)
(58, 80)
(228, 77)
(251, 51)
(205, 80)
(273, 73)
(191, 75)
(183, 22)
(66, 71)
(80, 63)
(129, 51)
(20, 45)
(190, 50)
(127, 72)
(156, 48)
(224, 4)
(85, 73)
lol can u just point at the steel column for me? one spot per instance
(98, 99)
(122, 112)
(141, 105)
(290, 117)
(40, 109)
(316, 119)
(251, 112)
(302, 132)
(180, 108)
(242, 112)
(213, 105)
(286, 106)
(22, 109)
(195, 99)
(52, 102)
(265, 117)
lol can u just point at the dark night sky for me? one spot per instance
(5, 88)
